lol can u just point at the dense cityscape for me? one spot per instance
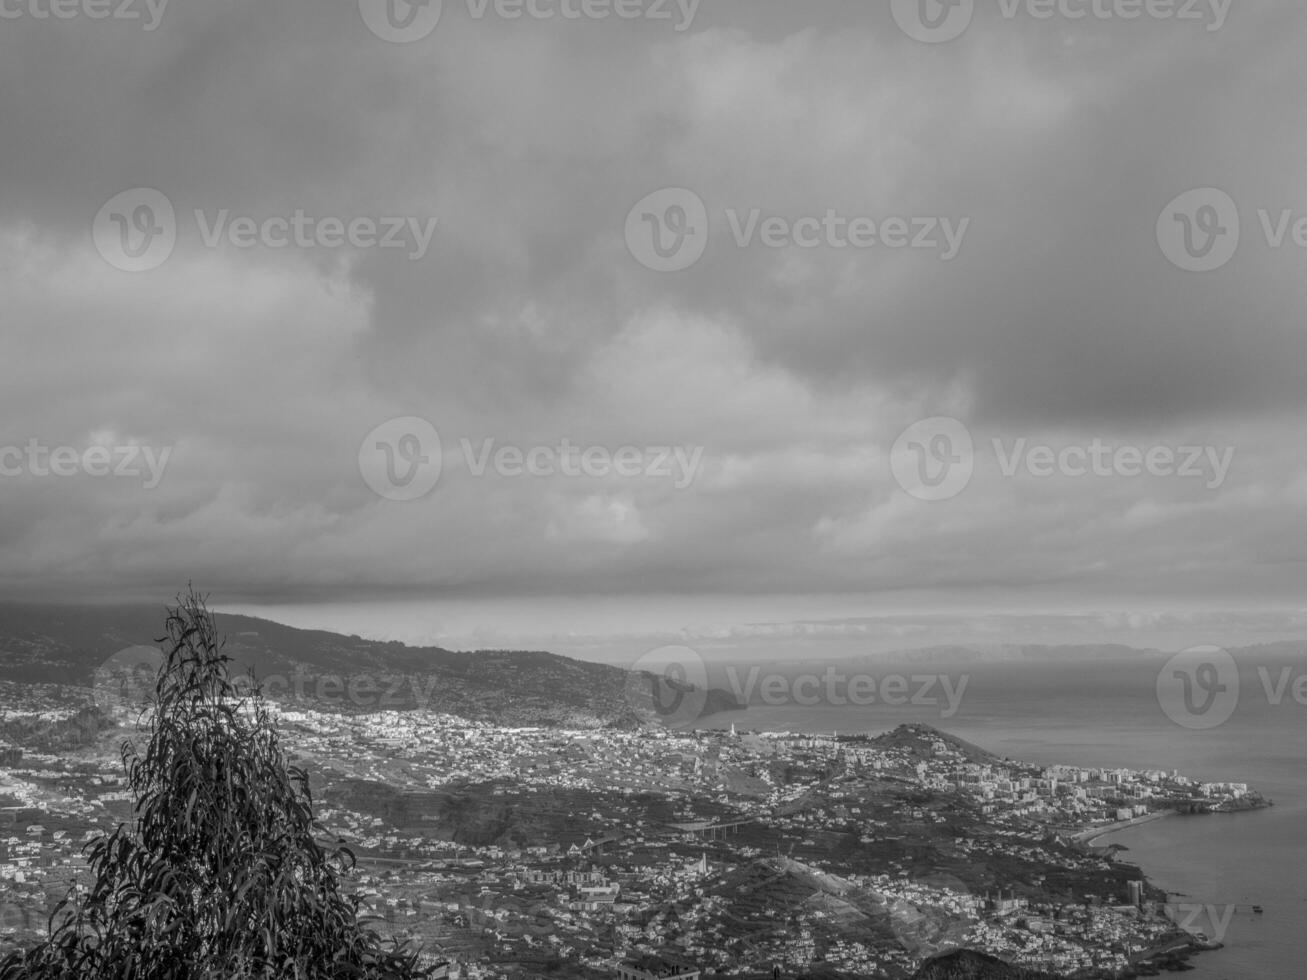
(519, 851)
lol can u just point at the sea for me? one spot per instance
(1217, 866)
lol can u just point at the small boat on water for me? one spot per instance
(1257, 909)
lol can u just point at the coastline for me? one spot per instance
(1090, 837)
(1191, 955)
(1228, 956)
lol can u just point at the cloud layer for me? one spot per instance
(529, 321)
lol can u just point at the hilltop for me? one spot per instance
(920, 740)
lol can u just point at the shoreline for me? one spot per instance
(1179, 957)
(1089, 838)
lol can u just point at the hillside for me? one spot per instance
(918, 739)
(967, 964)
(64, 645)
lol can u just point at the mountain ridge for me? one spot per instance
(65, 645)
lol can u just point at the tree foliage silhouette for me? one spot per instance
(220, 874)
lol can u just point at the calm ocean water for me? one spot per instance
(1107, 714)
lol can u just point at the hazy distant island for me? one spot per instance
(516, 816)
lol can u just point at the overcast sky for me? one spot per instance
(1036, 161)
